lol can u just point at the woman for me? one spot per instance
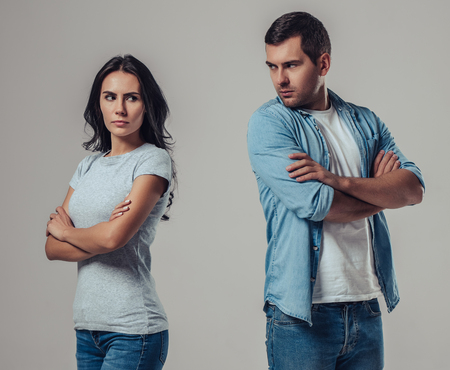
(119, 320)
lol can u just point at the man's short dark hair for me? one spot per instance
(314, 36)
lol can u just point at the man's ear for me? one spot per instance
(324, 62)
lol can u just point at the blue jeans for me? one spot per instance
(343, 336)
(115, 351)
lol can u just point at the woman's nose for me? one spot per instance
(120, 108)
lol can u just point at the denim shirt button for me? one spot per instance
(316, 248)
(313, 280)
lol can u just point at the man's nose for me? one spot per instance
(282, 78)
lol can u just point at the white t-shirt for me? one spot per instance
(346, 271)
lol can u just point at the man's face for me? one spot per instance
(298, 81)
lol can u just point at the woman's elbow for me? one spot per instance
(111, 243)
(49, 252)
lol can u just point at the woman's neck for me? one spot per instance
(124, 145)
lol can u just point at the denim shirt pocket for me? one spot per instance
(372, 150)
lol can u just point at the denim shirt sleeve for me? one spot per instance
(270, 140)
(383, 140)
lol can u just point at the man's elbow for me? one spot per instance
(417, 194)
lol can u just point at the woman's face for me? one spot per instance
(122, 105)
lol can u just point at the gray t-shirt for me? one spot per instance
(116, 291)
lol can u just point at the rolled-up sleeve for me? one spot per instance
(270, 140)
(387, 143)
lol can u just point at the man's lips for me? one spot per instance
(286, 93)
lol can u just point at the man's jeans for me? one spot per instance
(112, 351)
(343, 336)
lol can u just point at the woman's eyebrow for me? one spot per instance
(113, 93)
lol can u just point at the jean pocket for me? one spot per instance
(164, 346)
(372, 307)
(286, 320)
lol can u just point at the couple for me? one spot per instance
(325, 168)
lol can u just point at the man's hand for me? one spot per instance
(305, 169)
(384, 163)
(59, 222)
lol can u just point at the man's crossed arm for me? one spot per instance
(356, 198)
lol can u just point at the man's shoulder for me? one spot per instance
(273, 110)
(338, 102)
(269, 107)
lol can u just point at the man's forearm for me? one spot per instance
(392, 190)
(345, 208)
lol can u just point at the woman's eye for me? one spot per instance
(132, 98)
(109, 97)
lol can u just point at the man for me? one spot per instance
(326, 169)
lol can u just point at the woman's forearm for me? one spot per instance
(63, 251)
(102, 238)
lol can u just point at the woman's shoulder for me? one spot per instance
(151, 152)
(83, 167)
(89, 160)
(153, 160)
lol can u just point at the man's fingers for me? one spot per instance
(390, 164)
(306, 162)
(300, 172)
(384, 162)
(298, 156)
(376, 162)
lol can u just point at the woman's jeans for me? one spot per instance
(115, 351)
(343, 336)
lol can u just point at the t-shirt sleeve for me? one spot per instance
(82, 168)
(156, 162)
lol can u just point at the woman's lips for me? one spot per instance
(120, 123)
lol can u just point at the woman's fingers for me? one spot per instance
(120, 209)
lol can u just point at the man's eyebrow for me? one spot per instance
(296, 61)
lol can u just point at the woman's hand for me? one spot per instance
(59, 222)
(120, 209)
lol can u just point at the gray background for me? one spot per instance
(208, 57)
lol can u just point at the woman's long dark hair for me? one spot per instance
(152, 130)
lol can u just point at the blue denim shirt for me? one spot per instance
(294, 211)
